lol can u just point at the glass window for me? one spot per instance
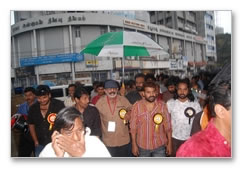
(77, 32)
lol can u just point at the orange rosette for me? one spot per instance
(51, 119)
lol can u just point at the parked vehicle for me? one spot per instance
(61, 92)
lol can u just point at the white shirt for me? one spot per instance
(93, 145)
(68, 102)
(181, 128)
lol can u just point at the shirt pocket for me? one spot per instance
(142, 119)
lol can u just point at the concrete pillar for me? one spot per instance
(71, 50)
(35, 55)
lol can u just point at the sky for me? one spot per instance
(223, 19)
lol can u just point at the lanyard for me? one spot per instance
(112, 112)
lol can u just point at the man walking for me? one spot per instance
(90, 113)
(115, 133)
(150, 125)
(182, 110)
(41, 117)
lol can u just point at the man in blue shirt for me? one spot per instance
(26, 144)
(30, 98)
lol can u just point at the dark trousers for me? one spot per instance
(26, 145)
(119, 151)
(175, 145)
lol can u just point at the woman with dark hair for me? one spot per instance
(70, 138)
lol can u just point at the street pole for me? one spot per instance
(123, 69)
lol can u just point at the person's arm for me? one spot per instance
(169, 143)
(133, 130)
(135, 151)
(168, 130)
(33, 134)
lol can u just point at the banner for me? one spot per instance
(51, 59)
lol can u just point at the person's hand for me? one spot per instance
(58, 151)
(135, 151)
(122, 90)
(128, 116)
(75, 148)
(169, 149)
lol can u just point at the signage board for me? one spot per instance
(51, 59)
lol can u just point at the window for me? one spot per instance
(211, 47)
(77, 32)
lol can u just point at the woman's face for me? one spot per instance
(75, 132)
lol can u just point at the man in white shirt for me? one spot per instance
(69, 138)
(182, 110)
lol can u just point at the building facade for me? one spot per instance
(200, 23)
(46, 45)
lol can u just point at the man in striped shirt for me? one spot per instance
(150, 125)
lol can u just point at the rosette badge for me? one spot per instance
(158, 119)
(51, 119)
(122, 114)
(189, 112)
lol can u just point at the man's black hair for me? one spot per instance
(65, 118)
(79, 91)
(150, 76)
(173, 80)
(139, 75)
(29, 89)
(42, 90)
(71, 85)
(219, 94)
(100, 84)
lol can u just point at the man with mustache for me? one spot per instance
(136, 95)
(171, 88)
(26, 144)
(182, 110)
(115, 133)
(42, 116)
(150, 137)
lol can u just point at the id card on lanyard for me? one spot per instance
(111, 124)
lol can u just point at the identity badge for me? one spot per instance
(111, 126)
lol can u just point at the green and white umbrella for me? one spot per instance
(123, 44)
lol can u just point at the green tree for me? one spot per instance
(223, 46)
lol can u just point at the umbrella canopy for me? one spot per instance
(122, 44)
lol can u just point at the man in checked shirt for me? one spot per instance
(150, 125)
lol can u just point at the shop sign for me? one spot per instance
(51, 59)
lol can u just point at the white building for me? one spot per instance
(46, 45)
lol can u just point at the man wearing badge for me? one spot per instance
(182, 110)
(41, 117)
(150, 125)
(114, 113)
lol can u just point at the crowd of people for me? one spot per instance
(148, 116)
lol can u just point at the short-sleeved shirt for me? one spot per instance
(24, 108)
(41, 124)
(142, 124)
(206, 143)
(120, 136)
(181, 128)
(92, 120)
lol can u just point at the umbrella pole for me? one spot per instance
(123, 71)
